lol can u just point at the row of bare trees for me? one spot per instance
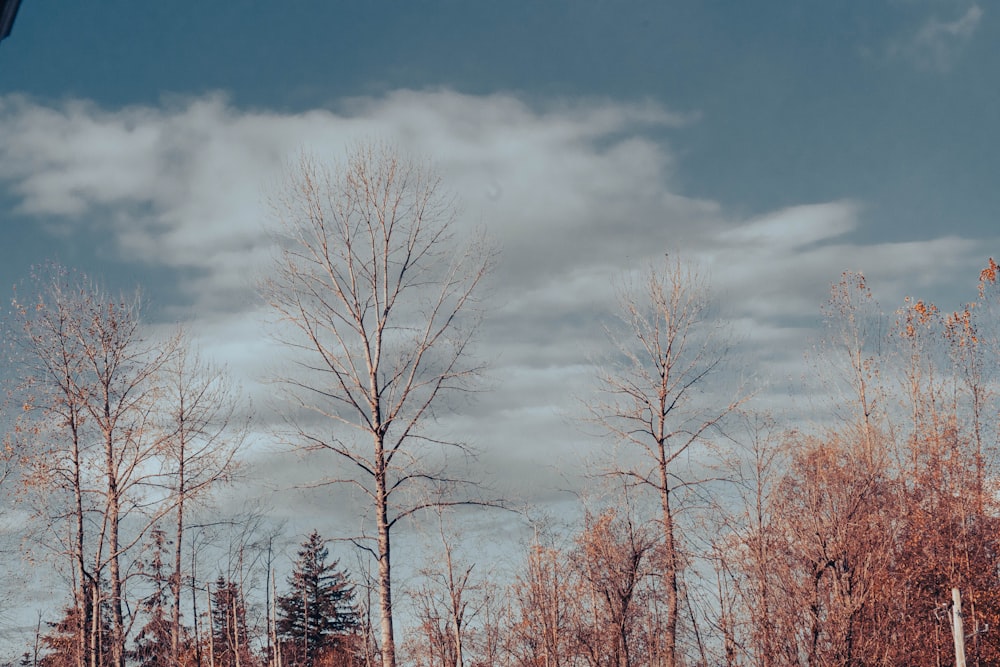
(848, 539)
(597, 599)
(732, 538)
(829, 544)
(120, 433)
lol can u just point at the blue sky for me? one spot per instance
(776, 144)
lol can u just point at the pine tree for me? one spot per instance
(318, 615)
(152, 645)
(60, 646)
(230, 637)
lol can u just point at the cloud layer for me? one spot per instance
(575, 193)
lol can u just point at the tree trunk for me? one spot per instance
(175, 582)
(211, 626)
(670, 563)
(114, 516)
(82, 602)
(384, 566)
(236, 629)
(95, 626)
(194, 609)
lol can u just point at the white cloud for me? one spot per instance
(798, 226)
(185, 186)
(937, 43)
(576, 193)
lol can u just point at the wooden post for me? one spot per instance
(956, 627)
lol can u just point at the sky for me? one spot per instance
(774, 144)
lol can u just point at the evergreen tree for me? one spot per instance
(152, 645)
(318, 615)
(60, 643)
(230, 637)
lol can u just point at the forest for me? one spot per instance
(717, 531)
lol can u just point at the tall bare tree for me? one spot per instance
(204, 434)
(379, 304)
(91, 367)
(50, 432)
(120, 402)
(655, 398)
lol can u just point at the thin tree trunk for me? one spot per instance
(276, 656)
(175, 583)
(384, 567)
(81, 601)
(670, 564)
(211, 626)
(194, 608)
(236, 629)
(305, 628)
(38, 638)
(95, 625)
(114, 516)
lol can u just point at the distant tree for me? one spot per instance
(60, 646)
(653, 399)
(318, 615)
(615, 555)
(747, 542)
(447, 603)
(152, 646)
(230, 637)
(199, 451)
(546, 611)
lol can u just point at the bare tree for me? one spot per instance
(746, 544)
(91, 374)
(50, 431)
(120, 401)
(855, 336)
(379, 304)
(448, 601)
(545, 620)
(654, 397)
(199, 451)
(614, 555)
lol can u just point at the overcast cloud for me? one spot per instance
(576, 194)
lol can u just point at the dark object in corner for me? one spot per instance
(8, 10)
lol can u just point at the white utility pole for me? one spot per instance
(956, 627)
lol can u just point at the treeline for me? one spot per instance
(315, 622)
(721, 534)
(837, 543)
